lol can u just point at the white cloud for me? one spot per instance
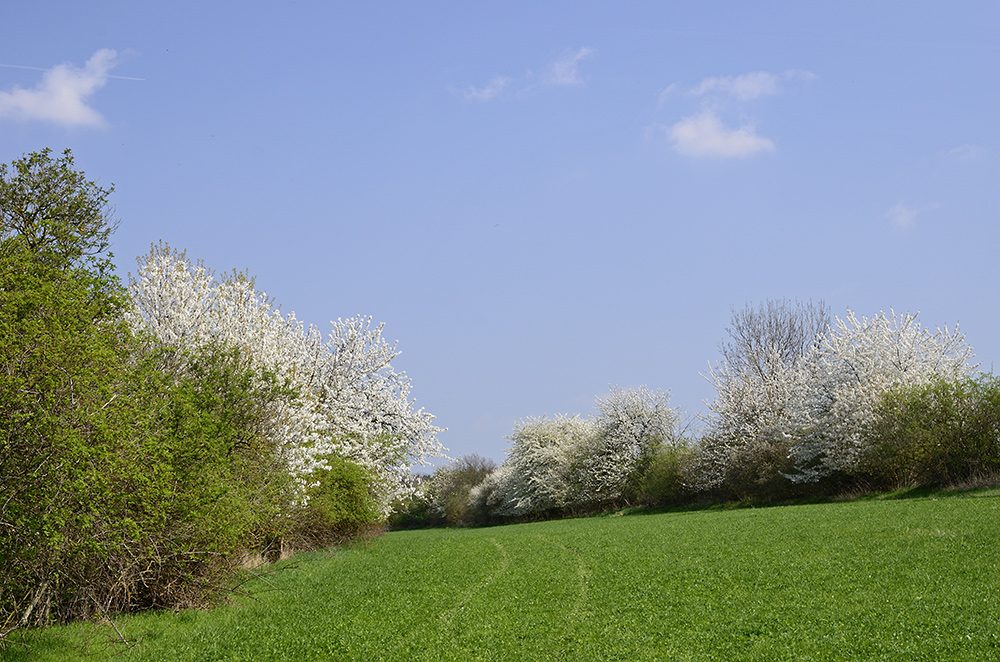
(704, 135)
(490, 92)
(903, 216)
(742, 88)
(665, 94)
(62, 94)
(565, 70)
(746, 87)
(966, 152)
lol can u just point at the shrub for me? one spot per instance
(448, 490)
(936, 433)
(340, 504)
(130, 474)
(666, 479)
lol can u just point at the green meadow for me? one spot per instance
(914, 578)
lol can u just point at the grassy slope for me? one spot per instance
(914, 579)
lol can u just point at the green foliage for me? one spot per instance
(341, 503)
(450, 487)
(59, 214)
(413, 511)
(759, 469)
(666, 476)
(59, 392)
(937, 433)
(130, 474)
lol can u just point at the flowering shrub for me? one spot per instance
(570, 462)
(839, 381)
(351, 403)
(745, 447)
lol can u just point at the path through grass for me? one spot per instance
(913, 579)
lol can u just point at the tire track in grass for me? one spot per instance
(583, 574)
(405, 647)
(447, 616)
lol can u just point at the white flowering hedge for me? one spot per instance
(350, 401)
(571, 462)
(813, 409)
(839, 381)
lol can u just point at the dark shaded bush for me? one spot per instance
(759, 469)
(449, 488)
(666, 479)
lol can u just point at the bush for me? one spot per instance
(449, 489)
(341, 504)
(936, 433)
(130, 475)
(667, 476)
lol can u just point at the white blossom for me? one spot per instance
(839, 381)
(752, 406)
(351, 402)
(575, 462)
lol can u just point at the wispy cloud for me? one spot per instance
(63, 94)
(490, 92)
(742, 88)
(966, 152)
(749, 86)
(904, 216)
(565, 70)
(705, 136)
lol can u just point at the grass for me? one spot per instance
(904, 579)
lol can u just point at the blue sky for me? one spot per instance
(540, 200)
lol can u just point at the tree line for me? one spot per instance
(807, 404)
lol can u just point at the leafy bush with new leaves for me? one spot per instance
(935, 433)
(128, 475)
(132, 474)
(341, 504)
(666, 478)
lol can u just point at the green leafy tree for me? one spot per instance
(55, 210)
(131, 475)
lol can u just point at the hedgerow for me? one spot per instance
(141, 463)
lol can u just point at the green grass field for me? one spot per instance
(908, 579)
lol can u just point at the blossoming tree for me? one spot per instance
(839, 381)
(350, 401)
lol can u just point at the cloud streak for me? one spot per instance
(903, 216)
(966, 152)
(63, 94)
(488, 93)
(742, 88)
(565, 71)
